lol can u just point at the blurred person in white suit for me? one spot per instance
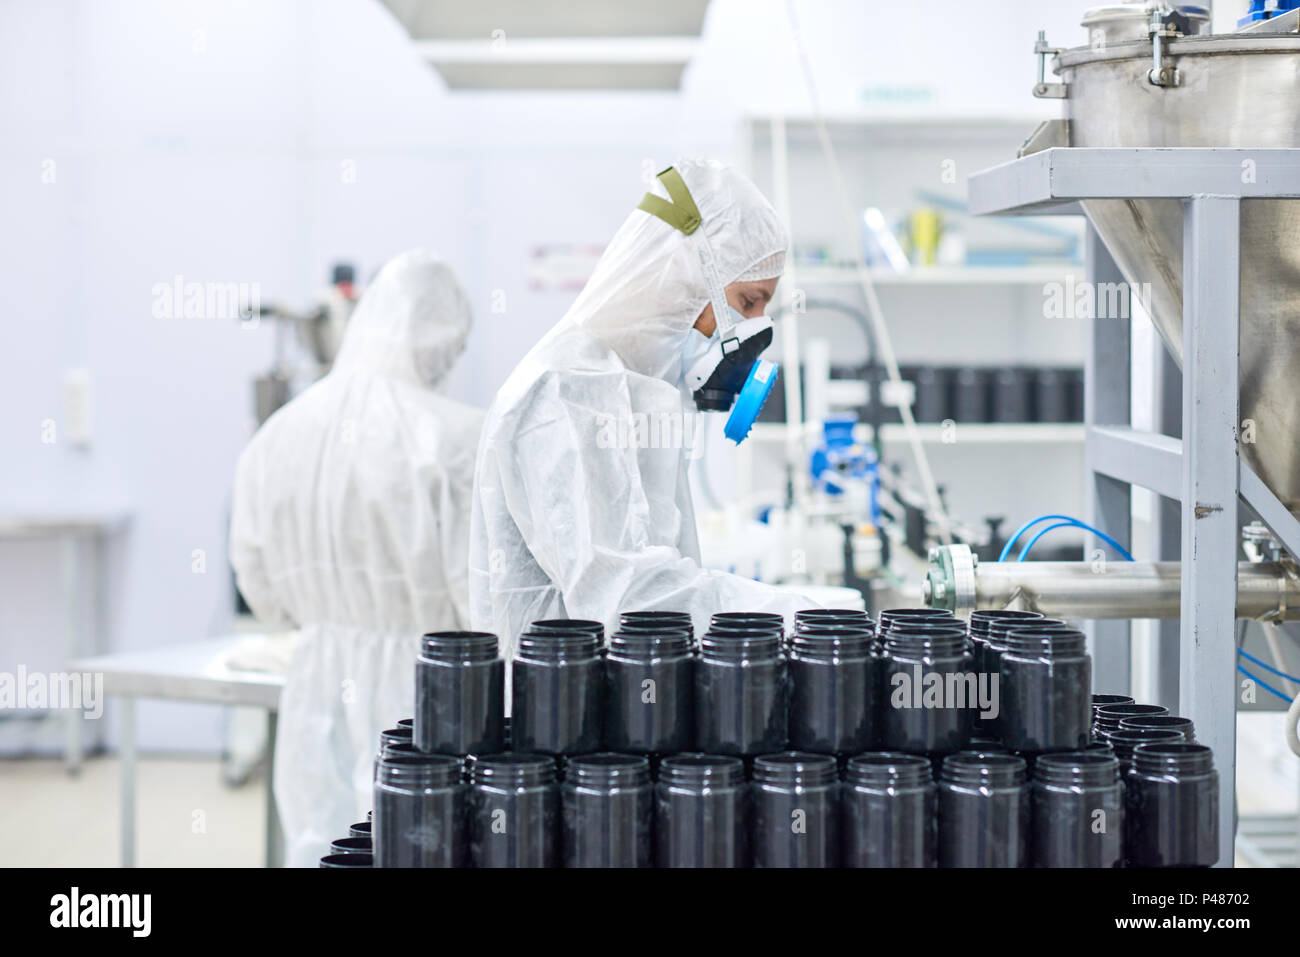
(351, 523)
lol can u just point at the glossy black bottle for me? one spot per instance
(984, 811)
(1172, 804)
(649, 696)
(1045, 683)
(459, 693)
(796, 810)
(420, 807)
(741, 693)
(702, 812)
(557, 680)
(1077, 811)
(888, 808)
(608, 809)
(834, 690)
(514, 811)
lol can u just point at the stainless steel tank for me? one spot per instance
(1229, 90)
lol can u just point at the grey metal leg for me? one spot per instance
(1109, 500)
(127, 752)
(274, 836)
(1211, 288)
(72, 718)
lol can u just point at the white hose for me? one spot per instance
(1292, 719)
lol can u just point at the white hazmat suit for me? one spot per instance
(582, 507)
(351, 522)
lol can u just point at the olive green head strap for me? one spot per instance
(681, 213)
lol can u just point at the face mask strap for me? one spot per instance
(682, 214)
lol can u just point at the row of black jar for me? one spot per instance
(794, 810)
(920, 683)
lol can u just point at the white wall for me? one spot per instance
(208, 139)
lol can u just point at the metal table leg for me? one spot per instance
(128, 782)
(274, 836)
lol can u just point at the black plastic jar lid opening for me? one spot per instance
(406, 723)
(889, 769)
(1103, 700)
(347, 860)
(1083, 768)
(1162, 722)
(649, 645)
(352, 845)
(832, 643)
(982, 620)
(399, 733)
(557, 646)
(517, 769)
(725, 647)
(430, 770)
(1048, 642)
(702, 770)
(607, 769)
(654, 616)
(800, 768)
(406, 746)
(748, 617)
(655, 628)
(360, 829)
(567, 626)
(995, 770)
(999, 629)
(459, 646)
(1124, 740)
(942, 644)
(890, 614)
(1182, 758)
(1111, 715)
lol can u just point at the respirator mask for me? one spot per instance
(723, 372)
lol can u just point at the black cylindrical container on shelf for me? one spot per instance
(909, 720)
(1172, 807)
(1124, 741)
(741, 694)
(649, 692)
(1012, 395)
(1045, 692)
(352, 845)
(1162, 722)
(701, 812)
(1077, 811)
(608, 810)
(360, 829)
(933, 394)
(347, 860)
(888, 811)
(420, 805)
(1051, 396)
(557, 683)
(796, 810)
(970, 395)
(460, 683)
(514, 811)
(833, 690)
(984, 811)
(1107, 718)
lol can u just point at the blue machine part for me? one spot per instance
(749, 403)
(1266, 10)
(841, 459)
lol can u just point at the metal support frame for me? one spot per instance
(1203, 470)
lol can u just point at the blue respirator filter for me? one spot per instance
(749, 403)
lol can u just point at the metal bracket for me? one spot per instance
(1166, 25)
(1042, 89)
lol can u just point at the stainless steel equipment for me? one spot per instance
(1159, 87)
(958, 581)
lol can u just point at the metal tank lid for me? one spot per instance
(1125, 22)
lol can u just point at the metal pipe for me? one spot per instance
(1267, 591)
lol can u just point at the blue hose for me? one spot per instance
(1263, 684)
(1065, 522)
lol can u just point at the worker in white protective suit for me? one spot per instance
(351, 522)
(582, 507)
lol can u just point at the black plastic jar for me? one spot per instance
(655, 621)
(392, 736)
(514, 811)
(1107, 718)
(352, 845)
(460, 683)
(741, 694)
(912, 667)
(984, 811)
(566, 626)
(649, 697)
(893, 616)
(1077, 811)
(701, 812)
(796, 810)
(981, 624)
(360, 829)
(1124, 741)
(347, 860)
(888, 811)
(1162, 722)
(420, 805)
(1100, 701)
(1172, 807)
(608, 810)
(834, 690)
(557, 681)
(1045, 690)
(996, 642)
